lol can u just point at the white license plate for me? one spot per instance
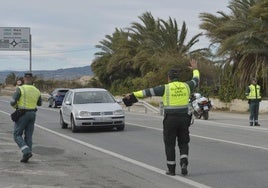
(102, 118)
(205, 107)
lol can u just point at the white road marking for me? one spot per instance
(214, 123)
(146, 166)
(230, 142)
(208, 138)
(138, 163)
(254, 128)
(5, 113)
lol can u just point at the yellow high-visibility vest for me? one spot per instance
(29, 97)
(254, 92)
(176, 95)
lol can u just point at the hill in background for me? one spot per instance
(59, 74)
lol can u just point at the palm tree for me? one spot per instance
(109, 63)
(158, 38)
(147, 49)
(242, 37)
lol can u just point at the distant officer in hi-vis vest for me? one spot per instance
(253, 94)
(177, 115)
(26, 98)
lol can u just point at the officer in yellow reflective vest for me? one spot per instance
(253, 94)
(26, 97)
(177, 115)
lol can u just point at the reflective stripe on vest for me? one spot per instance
(176, 95)
(29, 97)
(139, 94)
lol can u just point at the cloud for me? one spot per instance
(64, 33)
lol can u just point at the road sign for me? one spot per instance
(15, 39)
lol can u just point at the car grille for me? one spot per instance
(101, 113)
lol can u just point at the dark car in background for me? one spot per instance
(56, 97)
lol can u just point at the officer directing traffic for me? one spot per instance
(177, 115)
(26, 98)
(253, 94)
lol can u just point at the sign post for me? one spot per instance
(16, 39)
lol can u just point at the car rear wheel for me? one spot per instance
(73, 126)
(62, 123)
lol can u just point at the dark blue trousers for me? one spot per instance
(254, 112)
(23, 131)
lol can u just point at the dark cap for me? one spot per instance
(28, 75)
(173, 74)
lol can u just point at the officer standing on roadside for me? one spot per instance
(253, 94)
(177, 115)
(26, 97)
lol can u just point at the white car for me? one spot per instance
(91, 107)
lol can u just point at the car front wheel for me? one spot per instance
(73, 126)
(62, 123)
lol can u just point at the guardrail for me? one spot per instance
(147, 107)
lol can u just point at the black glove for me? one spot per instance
(129, 101)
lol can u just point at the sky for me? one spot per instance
(64, 32)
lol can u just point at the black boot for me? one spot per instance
(257, 124)
(171, 170)
(26, 157)
(184, 164)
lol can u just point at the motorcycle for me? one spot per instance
(201, 106)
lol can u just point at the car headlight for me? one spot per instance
(84, 113)
(118, 112)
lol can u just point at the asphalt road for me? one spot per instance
(224, 152)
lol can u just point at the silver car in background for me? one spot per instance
(91, 107)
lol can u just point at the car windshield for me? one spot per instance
(93, 97)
